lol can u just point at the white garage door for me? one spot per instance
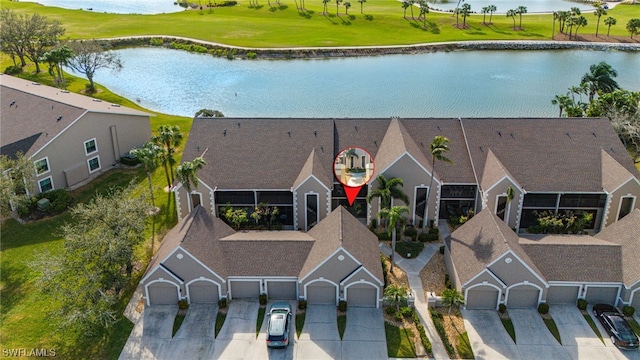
(523, 297)
(562, 294)
(601, 295)
(244, 289)
(482, 297)
(162, 293)
(362, 295)
(203, 292)
(321, 293)
(282, 290)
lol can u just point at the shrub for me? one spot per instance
(628, 310)
(543, 308)
(384, 269)
(302, 304)
(405, 248)
(251, 55)
(13, 70)
(374, 223)
(222, 303)
(156, 42)
(383, 236)
(502, 308)
(390, 310)
(582, 304)
(434, 231)
(442, 249)
(59, 200)
(129, 159)
(411, 232)
(183, 304)
(437, 322)
(421, 224)
(25, 206)
(447, 281)
(406, 311)
(227, 3)
(342, 305)
(423, 335)
(432, 237)
(263, 299)
(398, 316)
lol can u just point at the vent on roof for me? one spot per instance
(12, 103)
(224, 132)
(568, 135)
(439, 128)
(238, 124)
(315, 133)
(421, 144)
(289, 132)
(594, 134)
(499, 133)
(375, 143)
(322, 149)
(97, 100)
(481, 148)
(59, 118)
(613, 151)
(511, 134)
(355, 127)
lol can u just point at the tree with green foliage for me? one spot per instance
(89, 57)
(405, 5)
(563, 101)
(97, 262)
(236, 217)
(633, 27)
(57, 58)
(347, 5)
(28, 36)
(579, 21)
(208, 113)
(465, 10)
(169, 137)
(520, 11)
(387, 190)
(397, 294)
(394, 215)
(438, 148)
(149, 155)
(492, 9)
(325, 11)
(512, 14)
(16, 181)
(451, 298)
(609, 22)
(600, 79)
(187, 173)
(424, 10)
(485, 11)
(338, 2)
(361, 5)
(265, 211)
(562, 17)
(599, 12)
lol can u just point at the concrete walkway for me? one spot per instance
(413, 267)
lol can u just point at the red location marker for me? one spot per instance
(353, 167)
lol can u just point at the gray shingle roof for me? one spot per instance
(547, 154)
(626, 232)
(29, 113)
(613, 174)
(493, 171)
(313, 166)
(396, 142)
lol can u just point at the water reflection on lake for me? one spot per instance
(533, 6)
(117, 6)
(461, 83)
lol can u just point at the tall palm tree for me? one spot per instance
(361, 5)
(439, 146)
(600, 79)
(397, 294)
(492, 9)
(347, 5)
(465, 11)
(600, 11)
(187, 172)
(387, 190)
(563, 102)
(395, 217)
(512, 14)
(405, 6)
(337, 7)
(580, 21)
(149, 155)
(325, 2)
(485, 11)
(451, 298)
(563, 16)
(424, 10)
(168, 137)
(633, 27)
(609, 22)
(521, 10)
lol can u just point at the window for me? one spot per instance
(312, 215)
(90, 146)
(501, 206)
(94, 164)
(196, 199)
(626, 206)
(45, 184)
(420, 201)
(42, 166)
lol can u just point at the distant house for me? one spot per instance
(492, 265)
(547, 164)
(70, 138)
(202, 260)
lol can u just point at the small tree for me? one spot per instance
(236, 217)
(395, 217)
(347, 5)
(512, 14)
(438, 147)
(609, 22)
(149, 155)
(16, 181)
(90, 57)
(465, 11)
(633, 27)
(451, 298)
(521, 10)
(424, 10)
(57, 58)
(397, 294)
(361, 5)
(187, 173)
(208, 113)
(169, 137)
(599, 12)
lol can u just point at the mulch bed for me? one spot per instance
(432, 275)
(453, 325)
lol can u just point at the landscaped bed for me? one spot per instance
(457, 341)
(433, 275)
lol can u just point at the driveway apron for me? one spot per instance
(195, 339)
(238, 334)
(488, 337)
(614, 352)
(319, 338)
(364, 336)
(533, 339)
(260, 350)
(151, 334)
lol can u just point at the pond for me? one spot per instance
(117, 6)
(443, 84)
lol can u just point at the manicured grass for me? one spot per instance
(551, 325)
(177, 322)
(464, 346)
(342, 324)
(634, 325)
(300, 323)
(260, 320)
(593, 326)
(381, 24)
(399, 342)
(220, 318)
(508, 325)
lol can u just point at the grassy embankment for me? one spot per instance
(381, 24)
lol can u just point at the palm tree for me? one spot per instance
(395, 217)
(580, 21)
(600, 11)
(361, 4)
(521, 10)
(492, 9)
(485, 11)
(451, 298)
(562, 19)
(510, 195)
(57, 58)
(439, 146)
(387, 190)
(397, 294)
(325, 2)
(563, 101)
(347, 5)
(411, 2)
(424, 10)
(570, 22)
(512, 14)
(633, 27)
(337, 6)
(609, 22)
(405, 6)
(187, 172)
(600, 79)
(149, 155)
(465, 11)
(168, 137)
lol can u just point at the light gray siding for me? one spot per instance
(562, 294)
(631, 188)
(511, 212)
(513, 272)
(244, 289)
(185, 267)
(310, 186)
(334, 269)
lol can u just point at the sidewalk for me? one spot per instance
(413, 267)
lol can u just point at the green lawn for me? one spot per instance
(300, 323)
(551, 325)
(634, 325)
(260, 319)
(177, 322)
(381, 24)
(464, 346)
(508, 325)
(399, 342)
(342, 324)
(593, 326)
(220, 318)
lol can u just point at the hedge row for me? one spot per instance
(423, 335)
(437, 322)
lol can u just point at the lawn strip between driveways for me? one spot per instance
(399, 342)
(593, 326)
(342, 324)
(220, 318)
(300, 317)
(551, 325)
(177, 322)
(260, 319)
(508, 325)
(464, 346)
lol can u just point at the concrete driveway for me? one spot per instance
(533, 339)
(262, 351)
(364, 336)
(489, 339)
(151, 334)
(237, 338)
(319, 338)
(614, 352)
(195, 339)
(578, 338)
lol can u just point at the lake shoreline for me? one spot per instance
(236, 52)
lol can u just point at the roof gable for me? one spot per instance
(626, 232)
(494, 171)
(614, 175)
(396, 142)
(313, 167)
